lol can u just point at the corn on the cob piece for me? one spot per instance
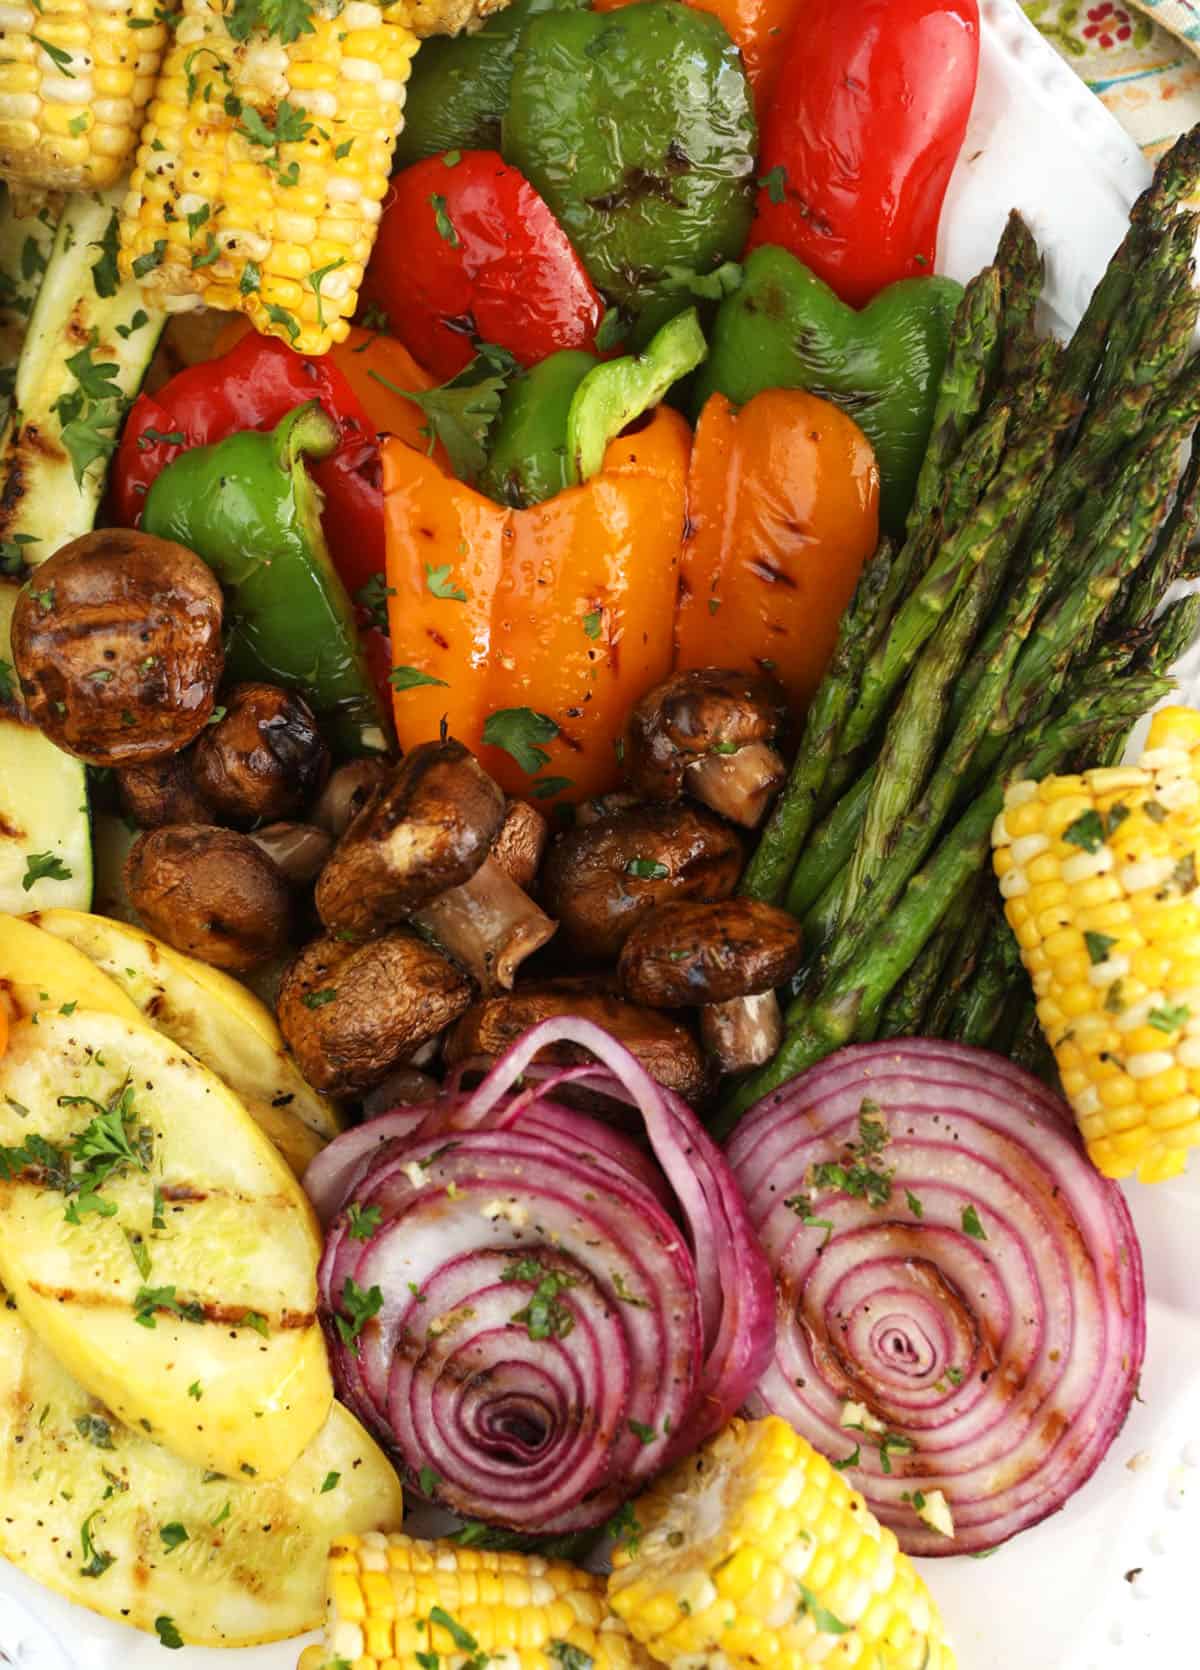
(264, 161)
(75, 79)
(755, 1554)
(1099, 878)
(393, 1602)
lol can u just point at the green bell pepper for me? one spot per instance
(458, 90)
(615, 394)
(248, 507)
(527, 460)
(637, 127)
(784, 328)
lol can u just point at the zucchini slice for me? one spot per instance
(155, 1240)
(232, 1562)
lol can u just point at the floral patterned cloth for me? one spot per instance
(1139, 58)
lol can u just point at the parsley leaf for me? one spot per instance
(1087, 832)
(461, 412)
(545, 1316)
(330, 1482)
(1098, 946)
(971, 1224)
(173, 1536)
(774, 183)
(372, 600)
(362, 1223)
(825, 1620)
(440, 582)
(43, 866)
(106, 280)
(520, 732)
(412, 678)
(445, 226)
(571, 1658)
(1169, 1017)
(168, 1635)
(358, 1307)
(592, 621)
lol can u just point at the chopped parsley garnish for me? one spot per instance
(1098, 946)
(148, 1301)
(358, 1307)
(106, 280)
(462, 1638)
(330, 1482)
(96, 1430)
(43, 866)
(1087, 832)
(445, 226)
(460, 413)
(893, 1442)
(802, 1206)
(97, 1560)
(362, 1222)
(645, 1434)
(173, 1536)
(774, 183)
(545, 1316)
(826, 1622)
(318, 1000)
(971, 1224)
(571, 1658)
(625, 1294)
(851, 1460)
(592, 622)
(1170, 1017)
(914, 1205)
(646, 869)
(440, 582)
(372, 600)
(521, 732)
(168, 1635)
(429, 1481)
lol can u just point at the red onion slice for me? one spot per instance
(990, 1313)
(559, 1313)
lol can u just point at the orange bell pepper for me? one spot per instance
(565, 608)
(783, 510)
(760, 28)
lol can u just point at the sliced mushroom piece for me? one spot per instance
(210, 892)
(727, 959)
(117, 643)
(601, 879)
(519, 847)
(420, 851)
(353, 1013)
(264, 758)
(300, 850)
(157, 792)
(603, 806)
(710, 733)
(346, 793)
(665, 1048)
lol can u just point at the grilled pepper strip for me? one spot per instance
(638, 130)
(253, 384)
(248, 507)
(527, 462)
(563, 610)
(783, 510)
(786, 329)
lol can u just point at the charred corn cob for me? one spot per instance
(1099, 878)
(755, 1553)
(75, 79)
(393, 1603)
(265, 156)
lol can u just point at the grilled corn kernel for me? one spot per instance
(1117, 975)
(757, 1552)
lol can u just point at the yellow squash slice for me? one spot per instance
(41, 974)
(214, 1017)
(156, 1241)
(231, 1562)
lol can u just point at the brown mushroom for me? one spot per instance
(726, 959)
(603, 878)
(210, 892)
(263, 759)
(117, 643)
(521, 843)
(300, 850)
(420, 850)
(346, 793)
(352, 1014)
(665, 1048)
(710, 733)
(158, 792)
(603, 806)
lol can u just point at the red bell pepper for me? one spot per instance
(467, 252)
(254, 385)
(869, 115)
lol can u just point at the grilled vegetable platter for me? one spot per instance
(583, 949)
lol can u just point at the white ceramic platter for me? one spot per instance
(1111, 1580)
